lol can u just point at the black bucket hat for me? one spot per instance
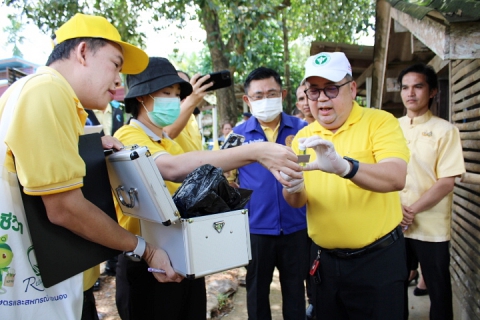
(159, 74)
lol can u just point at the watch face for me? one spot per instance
(132, 256)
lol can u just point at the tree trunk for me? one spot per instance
(286, 59)
(226, 102)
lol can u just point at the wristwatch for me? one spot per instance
(354, 170)
(136, 255)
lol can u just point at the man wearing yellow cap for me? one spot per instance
(82, 72)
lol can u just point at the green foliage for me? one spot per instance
(333, 21)
(222, 300)
(14, 36)
(50, 15)
(192, 62)
(241, 34)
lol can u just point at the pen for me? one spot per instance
(156, 270)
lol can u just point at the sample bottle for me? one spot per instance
(303, 151)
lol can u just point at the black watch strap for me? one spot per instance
(354, 170)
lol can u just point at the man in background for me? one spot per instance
(245, 117)
(302, 104)
(277, 231)
(111, 119)
(436, 159)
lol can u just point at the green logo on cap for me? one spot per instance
(321, 59)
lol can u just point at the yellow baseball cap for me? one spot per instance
(87, 26)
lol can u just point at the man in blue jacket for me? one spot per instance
(278, 232)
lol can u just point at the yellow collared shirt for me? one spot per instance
(340, 214)
(436, 151)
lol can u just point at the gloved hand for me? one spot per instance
(296, 185)
(328, 160)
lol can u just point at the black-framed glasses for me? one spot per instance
(331, 91)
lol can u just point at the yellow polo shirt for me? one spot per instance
(137, 133)
(190, 138)
(340, 214)
(105, 119)
(436, 151)
(43, 135)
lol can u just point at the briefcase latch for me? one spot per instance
(132, 193)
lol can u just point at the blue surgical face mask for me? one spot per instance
(165, 111)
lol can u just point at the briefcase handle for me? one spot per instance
(131, 193)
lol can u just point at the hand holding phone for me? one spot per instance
(233, 140)
(220, 79)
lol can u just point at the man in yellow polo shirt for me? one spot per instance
(353, 207)
(82, 72)
(437, 159)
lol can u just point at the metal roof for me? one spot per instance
(16, 62)
(451, 10)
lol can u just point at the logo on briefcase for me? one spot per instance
(219, 226)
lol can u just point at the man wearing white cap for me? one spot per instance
(358, 162)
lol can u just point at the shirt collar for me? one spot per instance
(421, 119)
(138, 124)
(354, 116)
(252, 124)
(80, 110)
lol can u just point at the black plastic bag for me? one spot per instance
(206, 191)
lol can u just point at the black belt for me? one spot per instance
(381, 243)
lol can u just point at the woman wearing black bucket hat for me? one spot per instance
(153, 100)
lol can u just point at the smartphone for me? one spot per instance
(220, 79)
(233, 140)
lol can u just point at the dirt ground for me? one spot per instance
(107, 309)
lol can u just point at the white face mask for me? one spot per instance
(266, 109)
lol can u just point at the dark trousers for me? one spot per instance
(289, 253)
(89, 309)
(141, 297)
(367, 287)
(434, 259)
(312, 249)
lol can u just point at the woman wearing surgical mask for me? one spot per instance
(153, 100)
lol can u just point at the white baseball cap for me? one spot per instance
(333, 66)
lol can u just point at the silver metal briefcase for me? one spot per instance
(203, 245)
(196, 246)
(139, 187)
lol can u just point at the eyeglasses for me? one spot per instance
(268, 95)
(330, 91)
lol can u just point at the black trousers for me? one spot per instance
(140, 296)
(289, 253)
(89, 309)
(312, 249)
(434, 259)
(366, 287)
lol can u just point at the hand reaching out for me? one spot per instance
(279, 158)
(296, 185)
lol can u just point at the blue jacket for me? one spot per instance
(269, 213)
